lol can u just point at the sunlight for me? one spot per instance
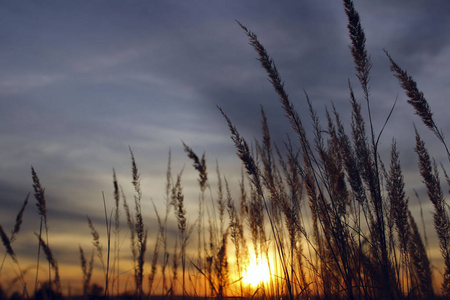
(257, 272)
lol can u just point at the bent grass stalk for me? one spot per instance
(417, 100)
(17, 226)
(9, 251)
(200, 166)
(42, 208)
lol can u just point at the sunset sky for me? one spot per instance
(81, 81)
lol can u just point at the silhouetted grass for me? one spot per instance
(324, 212)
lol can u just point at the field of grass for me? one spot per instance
(320, 217)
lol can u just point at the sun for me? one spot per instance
(257, 272)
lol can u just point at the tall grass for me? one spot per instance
(42, 208)
(86, 269)
(324, 211)
(7, 241)
(183, 230)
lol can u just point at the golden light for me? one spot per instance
(257, 272)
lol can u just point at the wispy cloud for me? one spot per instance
(100, 61)
(10, 84)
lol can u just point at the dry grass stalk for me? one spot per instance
(141, 258)
(39, 194)
(199, 165)
(399, 206)
(440, 216)
(266, 155)
(86, 269)
(97, 244)
(108, 252)
(221, 267)
(293, 214)
(363, 65)
(116, 260)
(358, 48)
(183, 230)
(422, 219)
(140, 244)
(15, 231)
(420, 264)
(131, 226)
(291, 113)
(417, 100)
(96, 240)
(52, 261)
(286, 200)
(327, 171)
(174, 277)
(350, 162)
(7, 243)
(236, 231)
(368, 166)
(274, 183)
(259, 204)
(163, 225)
(243, 152)
(159, 238)
(358, 192)
(269, 65)
(151, 276)
(220, 201)
(19, 219)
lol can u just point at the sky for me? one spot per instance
(82, 81)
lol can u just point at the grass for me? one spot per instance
(327, 216)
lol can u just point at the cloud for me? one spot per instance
(20, 84)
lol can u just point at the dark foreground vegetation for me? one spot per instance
(326, 213)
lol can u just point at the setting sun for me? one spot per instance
(257, 272)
